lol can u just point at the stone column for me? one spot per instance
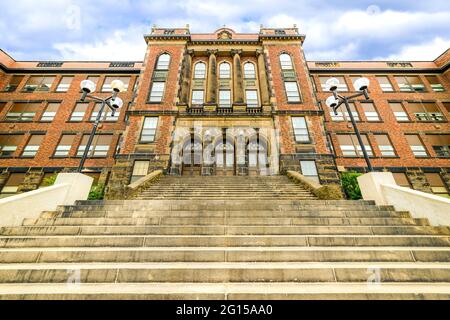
(238, 82)
(211, 92)
(186, 77)
(263, 83)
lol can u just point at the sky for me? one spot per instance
(101, 30)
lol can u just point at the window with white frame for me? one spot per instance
(341, 113)
(107, 114)
(9, 143)
(108, 80)
(398, 111)
(225, 70)
(64, 145)
(33, 146)
(292, 93)
(200, 70)
(224, 98)
(370, 111)
(149, 129)
(309, 170)
(99, 148)
(286, 62)
(416, 145)
(249, 71)
(252, 98)
(163, 62)
(64, 84)
(385, 145)
(157, 91)
(350, 146)
(342, 86)
(385, 84)
(78, 112)
(197, 97)
(140, 170)
(301, 132)
(50, 112)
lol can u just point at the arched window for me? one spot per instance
(200, 71)
(249, 71)
(225, 71)
(163, 62)
(286, 62)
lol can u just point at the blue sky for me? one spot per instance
(335, 30)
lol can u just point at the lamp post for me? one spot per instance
(336, 100)
(113, 102)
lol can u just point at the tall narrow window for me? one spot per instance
(64, 145)
(64, 84)
(410, 83)
(350, 147)
(23, 111)
(436, 183)
(300, 130)
(13, 83)
(440, 144)
(149, 129)
(342, 86)
(224, 98)
(370, 112)
(39, 83)
(399, 113)
(252, 98)
(50, 112)
(163, 62)
(286, 62)
(309, 170)
(385, 84)
(107, 114)
(200, 71)
(292, 92)
(33, 146)
(140, 170)
(249, 71)
(9, 143)
(341, 113)
(157, 92)
(385, 145)
(78, 112)
(99, 148)
(197, 97)
(107, 84)
(416, 145)
(435, 84)
(225, 71)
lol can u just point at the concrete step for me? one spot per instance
(224, 241)
(227, 291)
(223, 272)
(248, 221)
(225, 254)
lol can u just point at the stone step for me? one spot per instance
(347, 203)
(230, 214)
(217, 241)
(248, 221)
(225, 254)
(223, 230)
(227, 291)
(223, 272)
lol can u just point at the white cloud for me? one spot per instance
(427, 51)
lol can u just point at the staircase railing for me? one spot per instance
(136, 187)
(328, 192)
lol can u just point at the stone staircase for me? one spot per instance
(184, 239)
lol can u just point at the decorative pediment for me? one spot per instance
(224, 35)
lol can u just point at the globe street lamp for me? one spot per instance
(113, 102)
(336, 100)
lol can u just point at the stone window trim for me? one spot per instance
(200, 74)
(225, 72)
(249, 74)
(161, 65)
(285, 63)
(153, 134)
(306, 131)
(300, 100)
(152, 92)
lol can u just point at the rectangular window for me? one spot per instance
(197, 97)
(435, 84)
(107, 113)
(157, 91)
(292, 92)
(350, 146)
(426, 111)
(341, 113)
(252, 98)
(370, 111)
(39, 83)
(50, 112)
(341, 87)
(410, 83)
(225, 98)
(149, 129)
(107, 84)
(436, 183)
(440, 144)
(33, 146)
(385, 145)
(99, 148)
(401, 179)
(64, 84)
(95, 80)
(309, 170)
(385, 84)
(64, 146)
(140, 170)
(23, 111)
(9, 143)
(300, 129)
(416, 145)
(13, 83)
(12, 184)
(399, 113)
(79, 112)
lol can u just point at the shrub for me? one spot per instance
(350, 185)
(97, 192)
(50, 180)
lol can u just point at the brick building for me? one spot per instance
(224, 103)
